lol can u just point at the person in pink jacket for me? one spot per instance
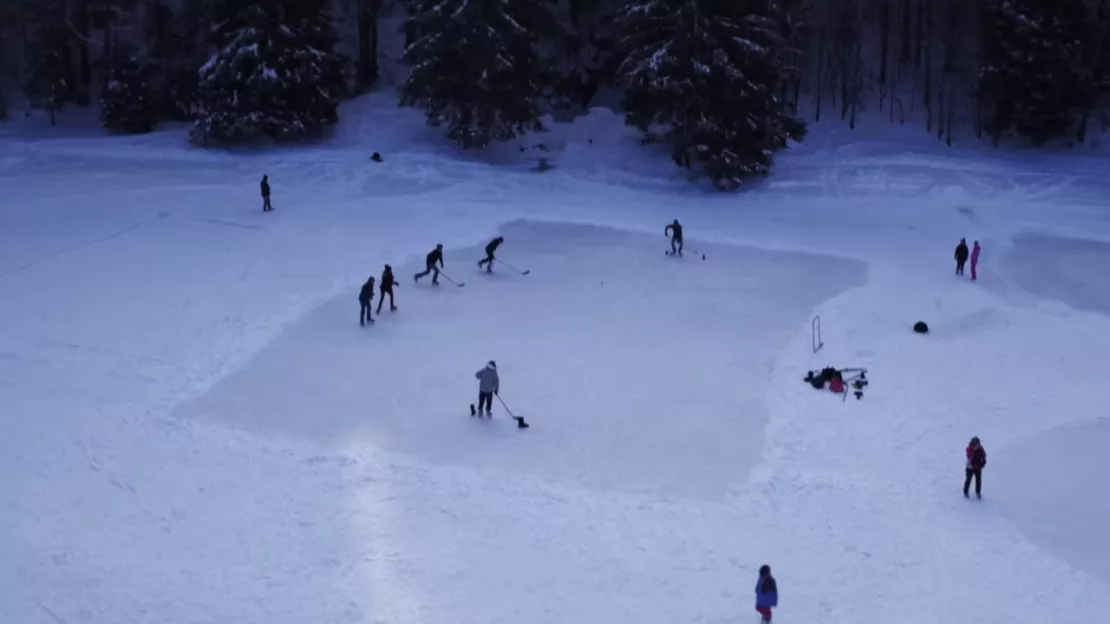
(974, 259)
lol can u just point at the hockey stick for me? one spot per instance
(674, 253)
(514, 268)
(451, 281)
(520, 424)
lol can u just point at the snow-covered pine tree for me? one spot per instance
(267, 79)
(127, 103)
(1030, 77)
(709, 75)
(475, 68)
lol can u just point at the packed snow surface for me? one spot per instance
(196, 429)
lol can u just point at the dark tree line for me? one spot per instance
(723, 83)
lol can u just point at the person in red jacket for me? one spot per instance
(976, 460)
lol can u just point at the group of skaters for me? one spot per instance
(433, 265)
(962, 256)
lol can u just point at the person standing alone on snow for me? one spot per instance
(974, 259)
(961, 256)
(766, 593)
(387, 289)
(489, 384)
(434, 258)
(674, 230)
(976, 460)
(266, 207)
(365, 297)
(490, 249)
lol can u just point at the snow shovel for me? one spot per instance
(520, 424)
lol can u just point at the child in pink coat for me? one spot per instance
(974, 259)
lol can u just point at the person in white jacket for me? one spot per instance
(489, 384)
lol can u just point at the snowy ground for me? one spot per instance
(195, 429)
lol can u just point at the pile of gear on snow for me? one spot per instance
(837, 382)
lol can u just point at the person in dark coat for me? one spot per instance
(434, 258)
(976, 460)
(674, 230)
(386, 288)
(365, 298)
(266, 207)
(961, 256)
(975, 251)
(490, 249)
(766, 594)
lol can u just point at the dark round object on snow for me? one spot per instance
(376, 157)
(920, 327)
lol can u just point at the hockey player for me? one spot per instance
(490, 249)
(766, 594)
(266, 207)
(489, 384)
(674, 230)
(961, 256)
(976, 460)
(435, 257)
(386, 288)
(365, 298)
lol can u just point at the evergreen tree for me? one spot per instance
(127, 104)
(710, 73)
(475, 68)
(1030, 81)
(268, 78)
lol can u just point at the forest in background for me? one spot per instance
(752, 72)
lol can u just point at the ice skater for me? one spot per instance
(976, 461)
(491, 248)
(674, 230)
(365, 299)
(489, 384)
(961, 256)
(435, 257)
(974, 260)
(766, 594)
(386, 288)
(266, 207)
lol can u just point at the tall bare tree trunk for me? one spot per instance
(928, 56)
(367, 19)
(820, 72)
(884, 44)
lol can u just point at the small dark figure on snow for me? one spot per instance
(266, 207)
(365, 297)
(674, 230)
(386, 288)
(376, 157)
(434, 258)
(961, 256)
(766, 594)
(489, 384)
(975, 250)
(976, 461)
(491, 248)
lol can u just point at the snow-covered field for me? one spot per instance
(195, 429)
